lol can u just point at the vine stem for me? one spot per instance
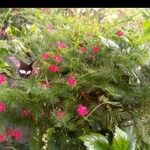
(94, 110)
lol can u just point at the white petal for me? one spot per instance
(28, 72)
(22, 71)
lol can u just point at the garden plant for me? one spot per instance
(89, 86)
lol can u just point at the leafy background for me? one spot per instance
(116, 78)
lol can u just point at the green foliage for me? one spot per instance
(120, 140)
(95, 141)
(113, 83)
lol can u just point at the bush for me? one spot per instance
(91, 74)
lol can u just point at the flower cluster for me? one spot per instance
(60, 114)
(2, 107)
(2, 79)
(55, 58)
(2, 138)
(25, 112)
(14, 133)
(60, 45)
(83, 49)
(82, 110)
(120, 33)
(71, 81)
(53, 68)
(95, 49)
(46, 55)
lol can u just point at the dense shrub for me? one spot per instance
(93, 73)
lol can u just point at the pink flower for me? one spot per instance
(60, 114)
(25, 112)
(71, 81)
(96, 49)
(61, 45)
(82, 110)
(53, 68)
(45, 55)
(14, 133)
(57, 58)
(2, 138)
(9, 132)
(17, 134)
(2, 79)
(83, 49)
(120, 33)
(2, 107)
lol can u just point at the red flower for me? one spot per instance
(83, 49)
(2, 107)
(71, 81)
(82, 110)
(45, 55)
(120, 33)
(2, 138)
(2, 79)
(17, 134)
(60, 114)
(53, 68)
(96, 49)
(3, 33)
(61, 45)
(25, 112)
(57, 58)
(9, 132)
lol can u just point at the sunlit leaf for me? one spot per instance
(109, 43)
(120, 141)
(95, 141)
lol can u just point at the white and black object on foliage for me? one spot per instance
(24, 70)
